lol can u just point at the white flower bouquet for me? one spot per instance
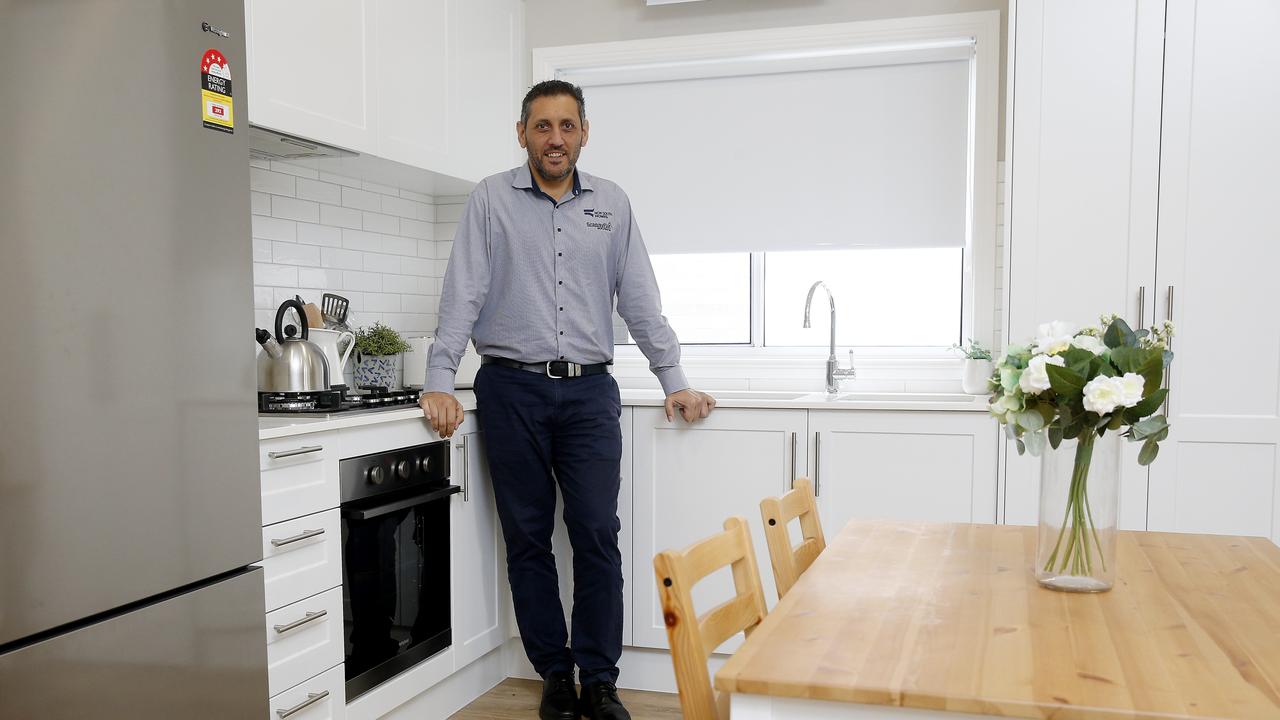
(1079, 384)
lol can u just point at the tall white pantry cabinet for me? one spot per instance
(1140, 162)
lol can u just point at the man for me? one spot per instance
(540, 255)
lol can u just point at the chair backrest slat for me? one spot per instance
(777, 513)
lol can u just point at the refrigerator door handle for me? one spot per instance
(312, 699)
(309, 617)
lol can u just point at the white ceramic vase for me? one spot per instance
(976, 374)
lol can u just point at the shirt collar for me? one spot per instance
(523, 179)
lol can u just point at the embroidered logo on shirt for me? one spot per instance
(601, 214)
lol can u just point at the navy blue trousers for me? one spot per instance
(542, 432)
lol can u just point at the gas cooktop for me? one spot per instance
(334, 402)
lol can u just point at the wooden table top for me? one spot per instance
(949, 617)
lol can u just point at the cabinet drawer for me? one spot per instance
(301, 557)
(320, 698)
(299, 476)
(304, 639)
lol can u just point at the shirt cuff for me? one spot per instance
(672, 379)
(439, 380)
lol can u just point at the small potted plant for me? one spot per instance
(376, 351)
(977, 367)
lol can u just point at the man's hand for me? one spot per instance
(693, 405)
(443, 411)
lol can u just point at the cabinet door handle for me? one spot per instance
(793, 461)
(296, 451)
(817, 464)
(297, 538)
(466, 468)
(309, 617)
(1142, 307)
(1168, 315)
(312, 699)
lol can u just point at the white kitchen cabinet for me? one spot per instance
(1215, 273)
(311, 69)
(478, 574)
(486, 74)
(689, 479)
(934, 467)
(1083, 175)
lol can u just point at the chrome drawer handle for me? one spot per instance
(300, 536)
(312, 699)
(301, 621)
(277, 455)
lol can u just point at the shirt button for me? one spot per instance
(561, 282)
(559, 254)
(559, 229)
(561, 309)
(561, 357)
(561, 332)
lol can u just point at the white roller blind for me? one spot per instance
(814, 156)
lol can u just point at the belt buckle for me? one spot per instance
(572, 370)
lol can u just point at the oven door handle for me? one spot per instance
(380, 510)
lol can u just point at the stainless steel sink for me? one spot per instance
(755, 395)
(905, 397)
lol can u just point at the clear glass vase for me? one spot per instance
(1079, 492)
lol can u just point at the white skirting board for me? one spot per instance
(640, 668)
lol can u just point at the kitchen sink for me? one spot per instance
(755, 395)
(905, 397)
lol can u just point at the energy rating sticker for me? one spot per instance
(215, 92)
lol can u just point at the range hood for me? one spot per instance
(267, 144)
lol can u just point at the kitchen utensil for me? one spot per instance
(334, 308)
(314, 318)
(301, 367)
(328, 342)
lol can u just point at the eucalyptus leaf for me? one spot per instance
(1055, 436)
(1117, 422)
(1149, 427)
(1022, 447)
(1035, 443)
(1124, 358)
(1031, 420)
(1147, 454)
(1118, 334)
(1148, 405)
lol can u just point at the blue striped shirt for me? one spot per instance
(534, 279)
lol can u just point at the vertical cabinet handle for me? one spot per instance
(793, 461)
(817, 464)
(466, 469)
(312, 699)
(1168, 315)
(1142, 307)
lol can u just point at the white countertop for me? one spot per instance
(284, 426)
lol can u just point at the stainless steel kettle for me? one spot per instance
(298, 365)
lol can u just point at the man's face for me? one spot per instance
(553, 136)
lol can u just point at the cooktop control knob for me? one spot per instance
(404, 469)
(376, 475)
(425, 464)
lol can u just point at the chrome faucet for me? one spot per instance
(835, 373)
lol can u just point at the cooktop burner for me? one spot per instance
(334, 401)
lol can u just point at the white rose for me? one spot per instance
(1090, 343)
(1131, 389)
(1054, 337)
(1035, 379)
(1103, 394)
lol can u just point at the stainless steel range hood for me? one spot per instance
(267, 144)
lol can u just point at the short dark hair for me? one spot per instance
(551, 88)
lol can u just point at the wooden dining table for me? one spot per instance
(941, 620)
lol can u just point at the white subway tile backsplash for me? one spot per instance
(399, 245)
(260, 163)
(361, 199)
(287, 253)
(297, 170)
(444, 250)
(361, 240)
(340, 179)
(371, 282)
(379, 223)
(416, 196)
(270, 182)
(259, 203)
(401, 283)
(418, 303)
(268, 274)
(283, 295)
(381, 302)
(416, 229)
(294, 209)
(374, 262)
(380, 189)
(342, 259)
(319, 278)
(311, 234)
(341, 217)
(441, 266)
(263, 299)
(401, 207)
(445, 231)
(426, 249)
(261, 250)
(267, 228)
(414, 266)
(448, 213)
(320, 191)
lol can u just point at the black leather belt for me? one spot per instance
(557, 369)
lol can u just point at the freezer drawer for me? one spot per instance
(197, 655)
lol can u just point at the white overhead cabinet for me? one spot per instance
(429, 83)
(1140, 176)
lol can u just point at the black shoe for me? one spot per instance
(600, 702)
(559, 697)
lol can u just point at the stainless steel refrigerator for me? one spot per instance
(129, 500)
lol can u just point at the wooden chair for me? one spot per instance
(788, 562)
(693, 638)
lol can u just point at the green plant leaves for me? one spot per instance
(1032, 420)
(1119, 334)
(1055, 436)
(1148, 405)
(1035, 443)
(1065, 381)
(1155, 426)
(1147, 454)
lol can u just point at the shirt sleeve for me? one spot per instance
(466, 283)
(640, 306)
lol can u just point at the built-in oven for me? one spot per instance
(395, 561)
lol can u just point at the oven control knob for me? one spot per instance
(376, 475)
(404, 469)
(425, 464)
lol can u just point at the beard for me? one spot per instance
(571, 162)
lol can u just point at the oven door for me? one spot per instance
(395, 582)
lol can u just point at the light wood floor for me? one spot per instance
(514, 699)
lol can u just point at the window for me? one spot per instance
(706, 298)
